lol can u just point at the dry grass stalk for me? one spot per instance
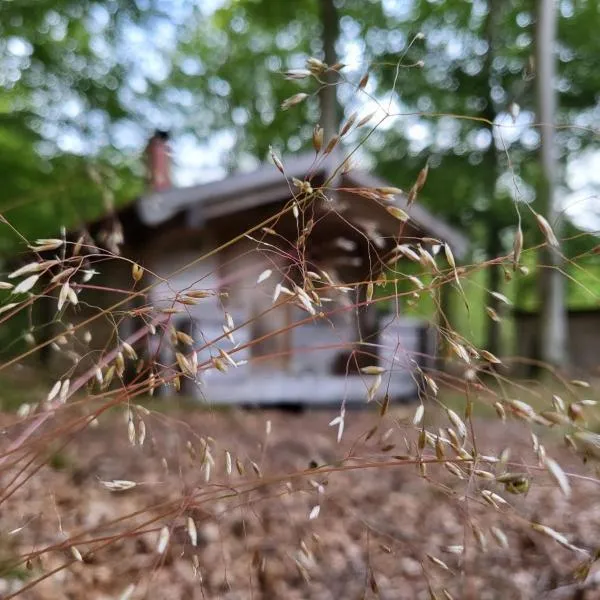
(466, 467)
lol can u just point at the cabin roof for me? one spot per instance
(265, 185)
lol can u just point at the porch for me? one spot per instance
(318, 369)
(278, 388)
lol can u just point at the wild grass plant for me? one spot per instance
(437, 444)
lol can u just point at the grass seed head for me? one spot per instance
(493, 499)
(76, 554)
(348, 124)
(372, 370)
(546, 230)
(517, 247)
(239, 465)
(422, 178)
(454, 469)
(479, 537)
(192, 531)
(54, 391)
(438, 562)
(364, 120)
(317, 138)
(34, 267)
(558, 475)
(289, 103)
(163, 540)
(118, 485)
(499, 536)
(64, 391)
(25, 285)
(458, 423)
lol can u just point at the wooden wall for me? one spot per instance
(584, 340)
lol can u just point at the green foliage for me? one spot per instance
(240, 54)
(225, 74)
(476, 65)
(61, 88)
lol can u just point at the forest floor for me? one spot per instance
(377, 524)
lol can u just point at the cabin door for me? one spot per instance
(271, 333)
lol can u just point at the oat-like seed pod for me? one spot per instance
(449, 256)
(556, 536)
(454, 469)
(63, 295)
(76, 554)
(558, 475)
(373, 370)
(141, 432)
(332, 144)
(239, 465)
(131, 431)
(317, 138)
(292, 101)
(54, 391)
(438, 562)
(499, 536)
(163, 540)
(422, 178)
(458, 423)
(64, 391)
(256, 468)
(192, 531)
(500, 410)
(370, 290)
(479, 537)
(546, 230)
(24, 286)
(365, 119)
(34, 267)
(580, 383)
(517, 247)
(348, 124)
(398, 213)
(118, 485)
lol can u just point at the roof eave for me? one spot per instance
(157, 207)
(419, 215)
(267, 184)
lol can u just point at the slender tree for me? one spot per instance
(491, 173)
(329, 106)
(553, 319)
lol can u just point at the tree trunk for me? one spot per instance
(328, 96)
(553, 318)
(494, 245)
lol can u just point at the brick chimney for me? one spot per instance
(158, 156)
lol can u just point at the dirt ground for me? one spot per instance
(371, 537)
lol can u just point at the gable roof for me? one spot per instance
(265, 185)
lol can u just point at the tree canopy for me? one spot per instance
(84, 84)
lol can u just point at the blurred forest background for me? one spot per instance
(84, 83)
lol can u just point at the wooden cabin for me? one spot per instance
(221, 236)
